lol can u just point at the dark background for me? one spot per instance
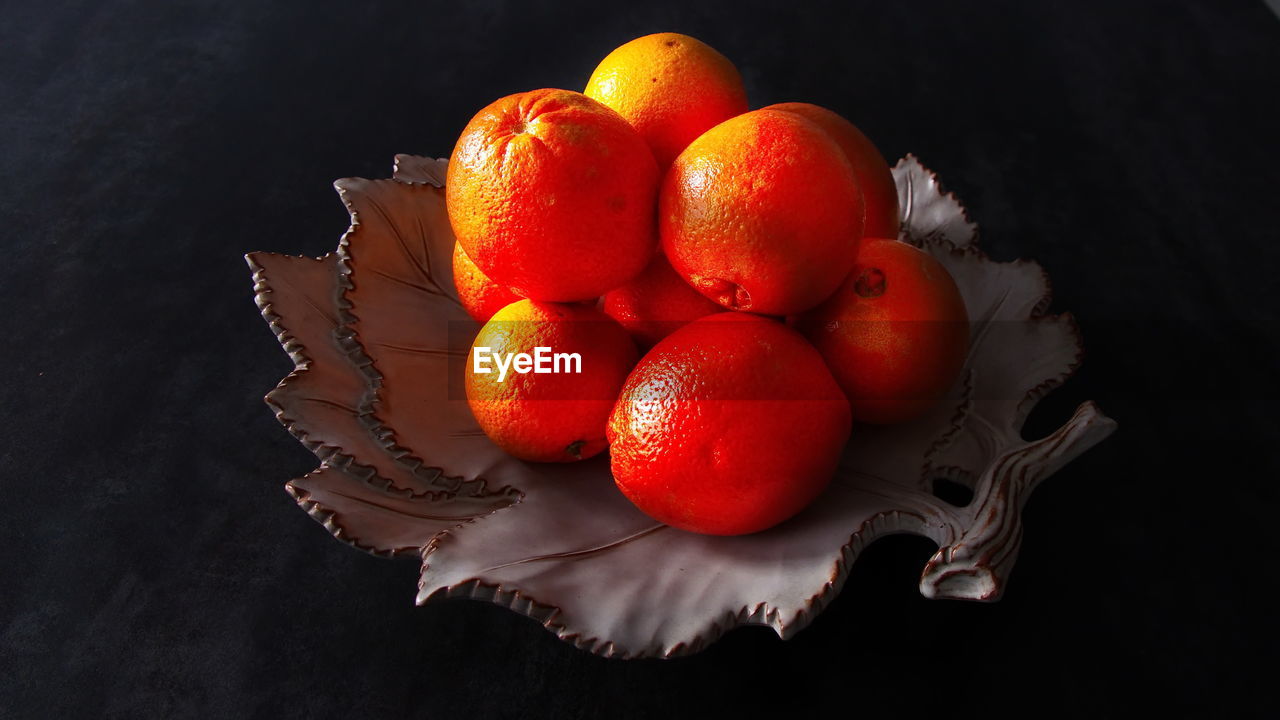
(153, 565)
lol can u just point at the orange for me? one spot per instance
(555, 416)
(879, 192)
(656, 303)
(762, 213)
(895, 334)
(730, 425)
(671, 87)
(480, 296)
(552, 195)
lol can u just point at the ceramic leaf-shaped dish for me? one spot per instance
(378, 339)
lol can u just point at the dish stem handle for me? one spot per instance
(977, 565)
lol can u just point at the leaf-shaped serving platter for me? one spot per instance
(378, 339)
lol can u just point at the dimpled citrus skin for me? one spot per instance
(895, 334)
(762, 213)
(728, 426)
(656, 303)
(879, 192)
(671, 88)
(550, 417)
(551, 194)
(480, 296)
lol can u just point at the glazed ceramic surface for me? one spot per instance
(379, 341)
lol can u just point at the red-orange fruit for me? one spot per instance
(895, 334)
(656, 303)
(552, 195)
(554, 416)
(480, 296)
(730, 425)
(762, 213)
(671, 88)
(879, 192)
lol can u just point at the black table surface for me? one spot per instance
(153, 565)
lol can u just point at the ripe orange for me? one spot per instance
(730, 425)
(552, 195)
(762, 213)
(480, 296)
(879, 192)
(548, 416)
(671, 88)
(895, 334)
(656, 303)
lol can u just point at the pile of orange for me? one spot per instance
(729, 280)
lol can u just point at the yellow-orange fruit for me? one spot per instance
(657, 303)
(730, 425)
(480, 296)
(671, 88)
(555, 416)
(879, 192)
(551, 194)
(762, 213)
(895, 334)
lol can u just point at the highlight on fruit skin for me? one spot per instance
(762, 213)
(656, 303)
(895, 334)
(551, 194)
(730, 425)
(671, 88)
(879, 191)
(480, 296)
(557, 416)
